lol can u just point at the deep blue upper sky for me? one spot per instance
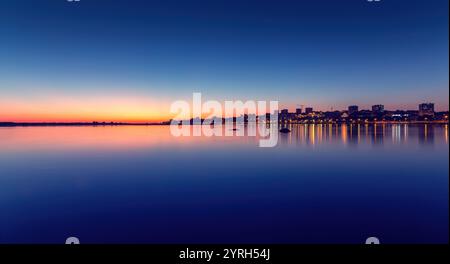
(324, 53)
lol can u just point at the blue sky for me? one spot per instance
(323, 53)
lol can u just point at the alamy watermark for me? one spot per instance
(211, 118)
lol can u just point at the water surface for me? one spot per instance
(139, 184)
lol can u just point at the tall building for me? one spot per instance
(352, 109)
(284, 115)
(308, 110)
(377, 108)
(298, 111)
(426, 109)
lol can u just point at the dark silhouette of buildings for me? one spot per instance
(353, 109)
(354, 115)
(426, 109)
(377, 108)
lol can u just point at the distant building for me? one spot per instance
(426, 109)
(298, 111)
(377, 108)
(332, 115)
(412, 114)
(284, 115)
(308, 110)
(353, 109)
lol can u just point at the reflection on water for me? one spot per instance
(134, 137)
(139, 184)
(376, 134)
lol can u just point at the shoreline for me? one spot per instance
(51, 124)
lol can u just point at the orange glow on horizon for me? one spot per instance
(130, 110)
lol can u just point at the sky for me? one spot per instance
(117, 60)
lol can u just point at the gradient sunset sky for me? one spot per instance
(120, 60)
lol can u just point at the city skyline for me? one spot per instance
(423, 110)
